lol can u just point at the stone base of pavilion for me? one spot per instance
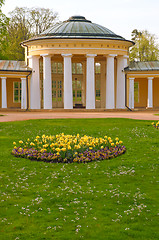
(78, 110)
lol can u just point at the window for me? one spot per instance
(77, 68)
(59, 84)
(73, 68)
(54, 95)
(57, 90)
(57, 67)
(98, 93)
(97, 68)
(16, 92)
(54, 67)
(136, 92)
(77, 90)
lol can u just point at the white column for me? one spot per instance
(131, 93)
(110, 99)
(47, 82)
(4, 92)
(24, 94)
(68, 95)
(120, 90)
(34, 83)
(90, 82)
(150, 93)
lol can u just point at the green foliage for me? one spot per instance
(145, 48)
(23, 24)
(17, 31)
(3, 31)
(112, 199)
(39, 19)
(1, 3)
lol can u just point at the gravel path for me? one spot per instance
(20, 116)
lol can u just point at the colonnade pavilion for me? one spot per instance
(78, 64)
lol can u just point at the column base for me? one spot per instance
(35, 108)
(121, 107)
(109, 107)
(90, 108)
(68, 108)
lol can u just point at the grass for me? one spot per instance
(111, 199)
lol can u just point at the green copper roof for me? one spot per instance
(14, 66)
(78, 27)
(143, 66)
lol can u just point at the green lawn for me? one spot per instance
(112, 199)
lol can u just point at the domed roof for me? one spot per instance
(78, 27)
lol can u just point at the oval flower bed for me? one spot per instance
(68, 148)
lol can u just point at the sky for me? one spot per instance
(120, 16)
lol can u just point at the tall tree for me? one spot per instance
(18, 31)
(40, 19)
(25, 23)
(3, 31)
(145, 48)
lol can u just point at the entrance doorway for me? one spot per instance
(98, 85)
(77, 85)
(77, 91)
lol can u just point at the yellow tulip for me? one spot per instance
(63, 149)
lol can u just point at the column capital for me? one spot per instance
(4, 78)
(111, 55)
(123, 56)
(131, 78)
(23, 78)
(91, 55)
(66, 55)
(45, 55)
(33, 56)
(150, 78)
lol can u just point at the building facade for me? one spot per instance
(14, 84)
(142, 80)
(74, 64)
